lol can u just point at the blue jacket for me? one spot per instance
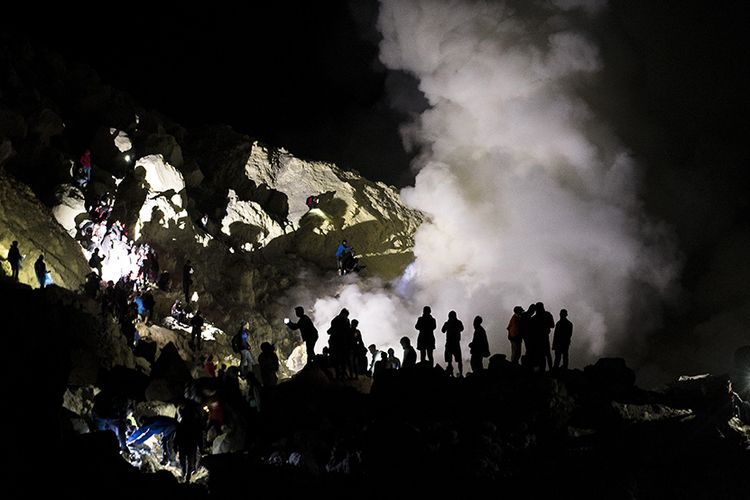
(340, 250)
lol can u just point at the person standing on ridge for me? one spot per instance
(306, 329)
(426, 325)
(479, 346)
(514, 334)
(40, 269)
(14, 258)
(452, 330)
(561, 339)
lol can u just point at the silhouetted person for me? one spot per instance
(380, 366)
(110, 413)
(340, 343)
(269, 365)
(178, 312)
(561, 339)
(153, 426)
(359, 351)
(340, 256)
(307, 331)
(209, 366)
(148, 303)
(542, 325)
(95, 262)
(375, 357)
(393, 362)
(164, 282)
(514, 334)
(197, 323)
(187, 280)
(479, 346)
(426, 326)
(526, 329)
(83, 176)
(14, 259)
(91, 285)
(452, 330)
(410, 355)
(189, 436)
(40, 269)
(246, 357)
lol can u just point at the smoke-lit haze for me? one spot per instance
(529, 196)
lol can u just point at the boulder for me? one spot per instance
(70, 208)
(611, 375)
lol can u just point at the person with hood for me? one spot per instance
(479, 346)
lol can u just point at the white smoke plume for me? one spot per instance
(529, 196)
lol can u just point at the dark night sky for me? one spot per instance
(299, 74)
(306, 76)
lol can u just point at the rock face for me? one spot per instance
(24, 219)
(369, 215)
(259, 236)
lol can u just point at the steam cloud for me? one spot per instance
(529, 196)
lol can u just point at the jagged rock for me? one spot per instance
(170, 365)
(370, 215)
(192, 174)
(702, 393)
(152, 408)
(611, 374)
(12, 125)
(161, 389)
(123, 142)
(6, 150)
(125, 381)
(164, 145)
(164, 203)
(247, 224)
(106, 154)
(648, 412)
(80, 400)
(46, 124)
(70, 209)
(146, 350)
(25, 219)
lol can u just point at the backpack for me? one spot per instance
(237, 342)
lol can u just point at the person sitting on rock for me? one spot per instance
(340, 256)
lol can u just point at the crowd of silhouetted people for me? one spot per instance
(529, 333)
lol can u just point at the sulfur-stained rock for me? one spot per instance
(25, 219)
